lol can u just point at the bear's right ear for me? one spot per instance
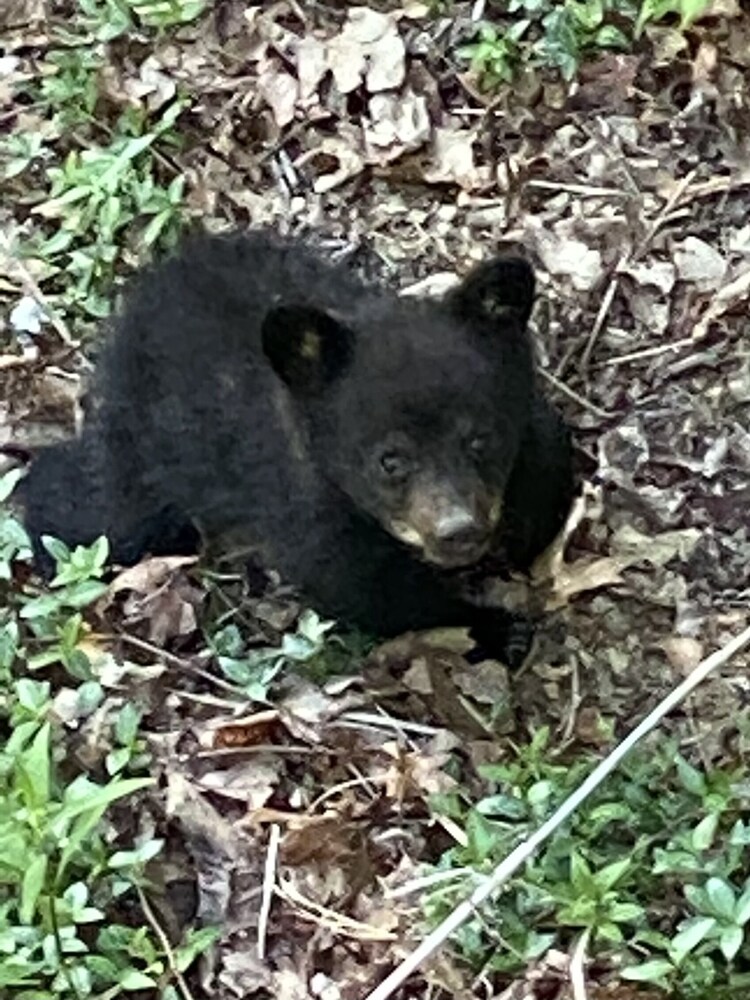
(499, 289)
(307, 347)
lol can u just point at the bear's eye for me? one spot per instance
(394, 465)
(477, 445)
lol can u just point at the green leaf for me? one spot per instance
(32, 886)
(730, 941)
(126, 726)
(721, 895)
(135, 980)
(690, 10)
(610, 37)
(655, 971)
(742, 909)
(703, 835)
(625, 913)
(8, 483)
(197, 942)
(580, 876)
(609, 876)
(34, 768)
(139, 856)
(691, 779)
(693, 932)
(86, 812)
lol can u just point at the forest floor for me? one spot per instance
(367, 129)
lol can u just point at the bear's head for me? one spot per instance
(416, 409)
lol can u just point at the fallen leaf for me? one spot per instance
(251, 782)
(452, 160)
(566, 256)
(333, 162)
(397, 124)
(149, 574)
(699, 263)
(280, 90)
(312, 65)
(683, 652)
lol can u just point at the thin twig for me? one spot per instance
(586, 190)
(164, 941)
(601, 316)
(38, 295)
(633, 254)
(508, 867)
(177, 661)
(647, 352)
(269, 880)
(581, 400)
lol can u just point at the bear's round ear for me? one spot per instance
(307, 347)
(499, 289)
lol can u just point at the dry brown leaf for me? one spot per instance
(699, 263)
(317, 838)
(279, 89)
(333, 161)
(397, 123)
(683, 652)
(729, 297)
(652, 273)
(252, 782)
(386, 62)
(631, 546)
(261, 727)
(452, 160)
(21, 13)
(149, 574)
(580, 576)
(564, 255)
(306, 709)
(312, 65)
(414, 775)
(159, 596)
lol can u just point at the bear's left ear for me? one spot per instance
(307, 347)
(500, 289)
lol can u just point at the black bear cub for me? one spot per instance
(366, 444)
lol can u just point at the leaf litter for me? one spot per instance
(629, 190)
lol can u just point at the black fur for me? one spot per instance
(253, 390)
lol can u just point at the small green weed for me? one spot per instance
(106, 20)
(65, 883)
(254, 670)
(100, 184)
(560, 34)
(660, 883)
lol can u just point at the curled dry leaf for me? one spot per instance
(252, 783)
(397, 124)
(452, 160)
(334, 161)
(305, 710)
(312, 65)
(566, 256)
(369, 46)
(159, 596)
(256, 729)
(729, 297)
(683, 652)
(280, 90)
(149, 575)
(658, 274)
(699, 264)
(416, 774)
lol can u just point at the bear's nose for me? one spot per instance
(458, 527)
